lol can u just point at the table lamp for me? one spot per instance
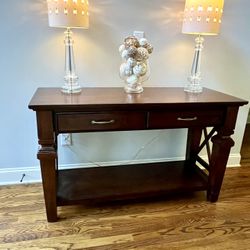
(69, 14)
(201, 17)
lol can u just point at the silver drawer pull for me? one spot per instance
(187, 119)
(102, 122)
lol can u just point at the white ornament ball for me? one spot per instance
(140, 69)
(131, 62)
(125, 70)
(143, 42)
(142, 54)
(132, 80)
(121, 48)
(125, 55)
(122, 70)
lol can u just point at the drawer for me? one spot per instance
(184, 119)
(80, 122)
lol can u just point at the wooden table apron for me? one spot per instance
(111, 109)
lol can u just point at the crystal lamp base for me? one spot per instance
(71, 89)
(194, 85)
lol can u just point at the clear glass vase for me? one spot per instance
(134, 74)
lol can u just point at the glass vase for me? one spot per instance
(134, 74)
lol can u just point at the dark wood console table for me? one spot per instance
(111, 109)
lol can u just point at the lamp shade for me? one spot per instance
(202, 17)
(68, 13)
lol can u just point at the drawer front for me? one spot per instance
(80, 122)
(175, 119)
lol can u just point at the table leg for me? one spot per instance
(222, 143)
(48, 157)
(220, 153)
(48, 161)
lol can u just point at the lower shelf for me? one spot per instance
(127, 182)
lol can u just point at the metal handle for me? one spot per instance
(102, 122)
(187, 119)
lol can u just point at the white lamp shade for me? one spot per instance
(68, 13)
(202, 17)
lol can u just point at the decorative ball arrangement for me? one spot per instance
(134, 70)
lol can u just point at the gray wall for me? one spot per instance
(32, 55)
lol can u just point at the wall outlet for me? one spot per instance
(66, 139)
(139, 34)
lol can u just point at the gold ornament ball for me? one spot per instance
(131, 41)
(142, 54)
(132, 52)
(150, 48)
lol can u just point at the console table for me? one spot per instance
(111, 109)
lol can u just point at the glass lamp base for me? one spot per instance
(71, 85)
(194, 85)
(69, 89)
(193, 88)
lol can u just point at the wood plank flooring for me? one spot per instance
(185, 222)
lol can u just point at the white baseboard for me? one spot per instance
(10, 176)
(233, 161)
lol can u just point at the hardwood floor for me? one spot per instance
(186, 222)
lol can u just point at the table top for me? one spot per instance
(52, 98)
